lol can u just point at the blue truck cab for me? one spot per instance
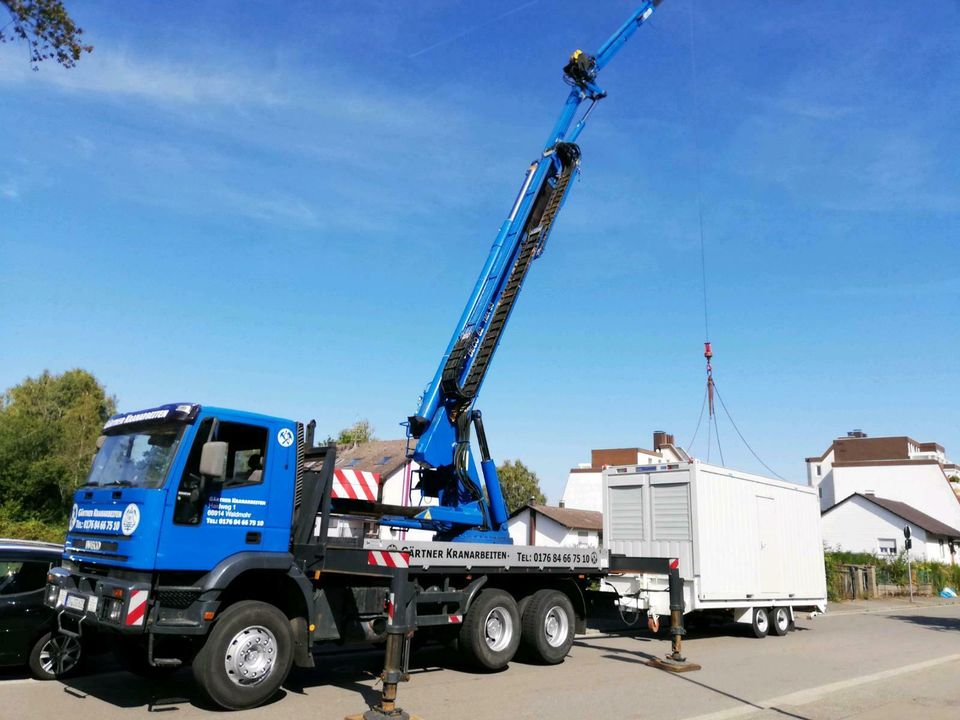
(148, 507)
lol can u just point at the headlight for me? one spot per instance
(113, 610)
(52, 591)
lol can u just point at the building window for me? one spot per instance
(818, 471)
(887, 546)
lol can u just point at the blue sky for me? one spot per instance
(282, 208)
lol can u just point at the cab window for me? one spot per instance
(246, 455)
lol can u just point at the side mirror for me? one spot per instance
(213, 460)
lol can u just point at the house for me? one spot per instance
(398, 478)
(546, 525)
(584, 488)
(867, 523)
(896, 468)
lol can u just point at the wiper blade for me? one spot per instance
(115, 483)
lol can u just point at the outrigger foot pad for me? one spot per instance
(373, 714)
(671, 665)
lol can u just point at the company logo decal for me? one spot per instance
(285, 437)
(130, 519)
(73, 516)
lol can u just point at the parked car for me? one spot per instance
(29, 634)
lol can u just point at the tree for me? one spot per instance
(520, 485)
(360, 432)
(48, 432)
(49, 31)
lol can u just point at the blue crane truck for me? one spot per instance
(202, 534)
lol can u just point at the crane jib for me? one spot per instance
(467, 364)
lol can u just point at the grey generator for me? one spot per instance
(748, 546)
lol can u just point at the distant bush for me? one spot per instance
(31, 529)
(892, 570)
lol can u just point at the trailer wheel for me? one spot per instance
(490, 633)
(246, 657)
(780, 621)
(548, 623)
(761, 622)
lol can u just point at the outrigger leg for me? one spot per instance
(400, 626)
(675, 661)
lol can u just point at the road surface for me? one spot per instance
(876, 665)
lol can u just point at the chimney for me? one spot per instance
(661, 439)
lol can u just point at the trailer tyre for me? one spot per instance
(548, 627)
(780, 621)
(761, 622)
(246, 657)
(490, 634)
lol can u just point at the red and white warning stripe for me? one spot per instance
(355, 485)
(674, 563)
(388, 558)
(137, 607)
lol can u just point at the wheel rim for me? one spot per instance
(782, 620)
(498, 629)
(762, 620)
(59, 655)
(556, 626)
(250, 656)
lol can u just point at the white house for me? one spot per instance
(398, 478)
(550, 526)
(584, 488)
(867, 523)
(895, 468)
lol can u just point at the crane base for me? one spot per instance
(676, 666)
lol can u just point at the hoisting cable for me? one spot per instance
(742, 438)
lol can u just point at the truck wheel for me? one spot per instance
(54, 656)
(780, 621)
(490, 633)
(548, 623)
(761, 623)
(246, 657)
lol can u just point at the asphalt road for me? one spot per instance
(876, 665)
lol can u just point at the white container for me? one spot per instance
(743, 541)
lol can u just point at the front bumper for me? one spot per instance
(101, 602)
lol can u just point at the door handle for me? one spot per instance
(253, 538)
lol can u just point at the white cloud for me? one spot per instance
(115, 73)
(9, 190)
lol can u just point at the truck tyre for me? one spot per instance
(780, 621)
(547, 627)
(761, 622)
(247, 656)
(490, 634)
(54, 656)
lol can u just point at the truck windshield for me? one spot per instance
(140, 458)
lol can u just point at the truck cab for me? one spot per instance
(175, 491)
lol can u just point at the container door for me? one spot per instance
(769, 567)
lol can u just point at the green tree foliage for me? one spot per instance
(47, 28)
(360, 432)
(48, 432)
(520, 485)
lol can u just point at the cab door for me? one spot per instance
(207, 519)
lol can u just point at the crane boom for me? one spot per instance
(441, 425)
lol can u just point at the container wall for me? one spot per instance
(739, 537)
(649, 515)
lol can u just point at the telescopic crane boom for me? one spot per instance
(441, 425)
